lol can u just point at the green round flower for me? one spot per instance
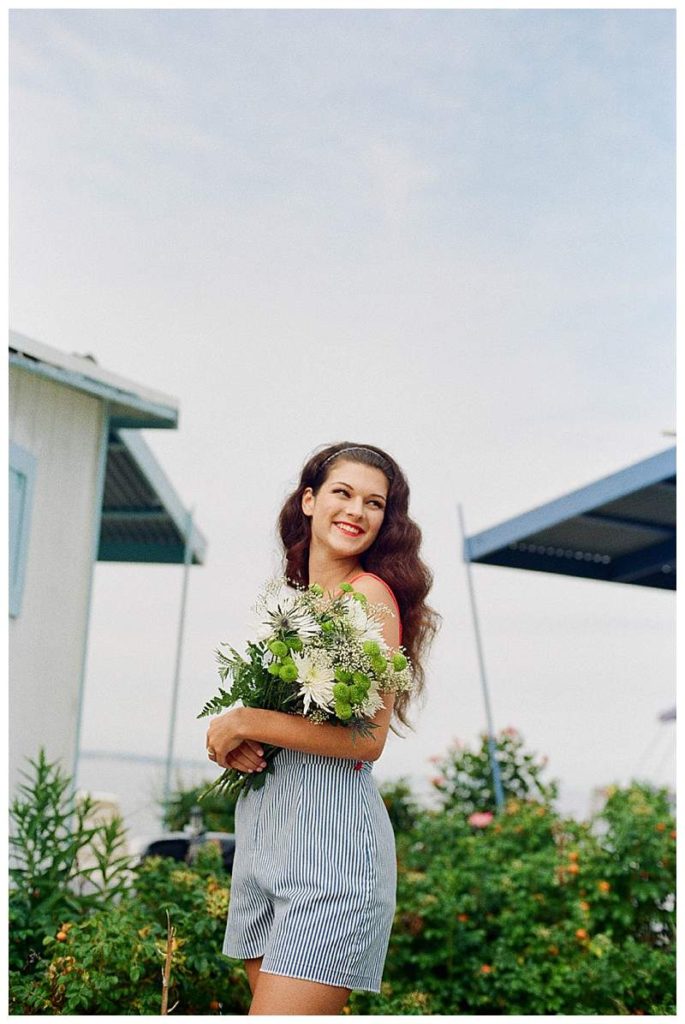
(346, 587)
(274, 669)
(399, 661)
(327, 626)
(343, 711)
(294, 643)
(343, 676)
(359, 597)
(341, 691)
(371, 648)
(278, 648)
(288, 673)
(316, 589)
(361, 679)
(379, 665)
(357, 693)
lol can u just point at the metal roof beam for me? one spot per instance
(639, 564)
(579, 502)
(630, 521)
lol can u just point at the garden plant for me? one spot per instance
(499, 911)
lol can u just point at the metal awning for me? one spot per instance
(143, 519)
(621, 528)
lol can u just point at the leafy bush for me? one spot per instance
(60, 867)
(510, 912)
(527, 912)
(464, 781)
(218, 811)
(111, 962)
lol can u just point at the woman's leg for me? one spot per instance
(252, 970)
(277, 994)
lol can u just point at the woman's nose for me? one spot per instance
(355, 506)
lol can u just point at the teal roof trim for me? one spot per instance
(143, 518)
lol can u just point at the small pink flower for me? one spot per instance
(435, 759)
(479, 819)
(510, 731)
(438, 780)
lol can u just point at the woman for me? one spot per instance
(314, 877)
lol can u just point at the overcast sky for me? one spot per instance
(448, 233)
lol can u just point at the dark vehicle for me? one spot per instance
(184, 845)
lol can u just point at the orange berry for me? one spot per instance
(486, 969)
(462, 917)
(573, 855)
(603, 886)
(572, 868)
(581, 934)
(553, 950)
(215, 1005)
(660, 826)
(61, 936)
(673, 834)
(584, 905)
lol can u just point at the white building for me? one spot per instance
(84, 487)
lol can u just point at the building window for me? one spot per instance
(22, 474)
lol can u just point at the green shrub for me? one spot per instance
(111, 961)
(218, 810)
(51, 879)
(464, 777)
(527, 912)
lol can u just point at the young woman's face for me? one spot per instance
(348, 511)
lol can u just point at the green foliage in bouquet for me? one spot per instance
(321, 658)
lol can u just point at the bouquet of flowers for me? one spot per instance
(322, 658)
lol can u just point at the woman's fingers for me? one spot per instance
(246, 756)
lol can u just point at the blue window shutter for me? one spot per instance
(22, 466)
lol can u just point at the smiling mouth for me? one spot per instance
(349, 531)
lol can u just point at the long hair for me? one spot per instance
(394, 555)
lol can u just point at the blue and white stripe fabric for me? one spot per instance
(315, 873)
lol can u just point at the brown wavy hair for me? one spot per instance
(394, 555)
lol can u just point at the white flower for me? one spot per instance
(372, 703)
(365, 626)
(316, 676)
(280, 608)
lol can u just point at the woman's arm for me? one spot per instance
(297, 733)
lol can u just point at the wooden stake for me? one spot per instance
(170, 933)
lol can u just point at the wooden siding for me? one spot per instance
(61, 427)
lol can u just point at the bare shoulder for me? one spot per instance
(369, 584)
(377, 591)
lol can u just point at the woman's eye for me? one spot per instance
(340, 490)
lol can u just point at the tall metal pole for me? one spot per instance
(187, 558)
(494, 763)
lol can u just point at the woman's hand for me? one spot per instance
(247, 757)
(223, 736)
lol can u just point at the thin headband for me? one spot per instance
(357, 448)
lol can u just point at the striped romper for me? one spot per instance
(315, 872)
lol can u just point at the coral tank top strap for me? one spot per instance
(399, 617)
